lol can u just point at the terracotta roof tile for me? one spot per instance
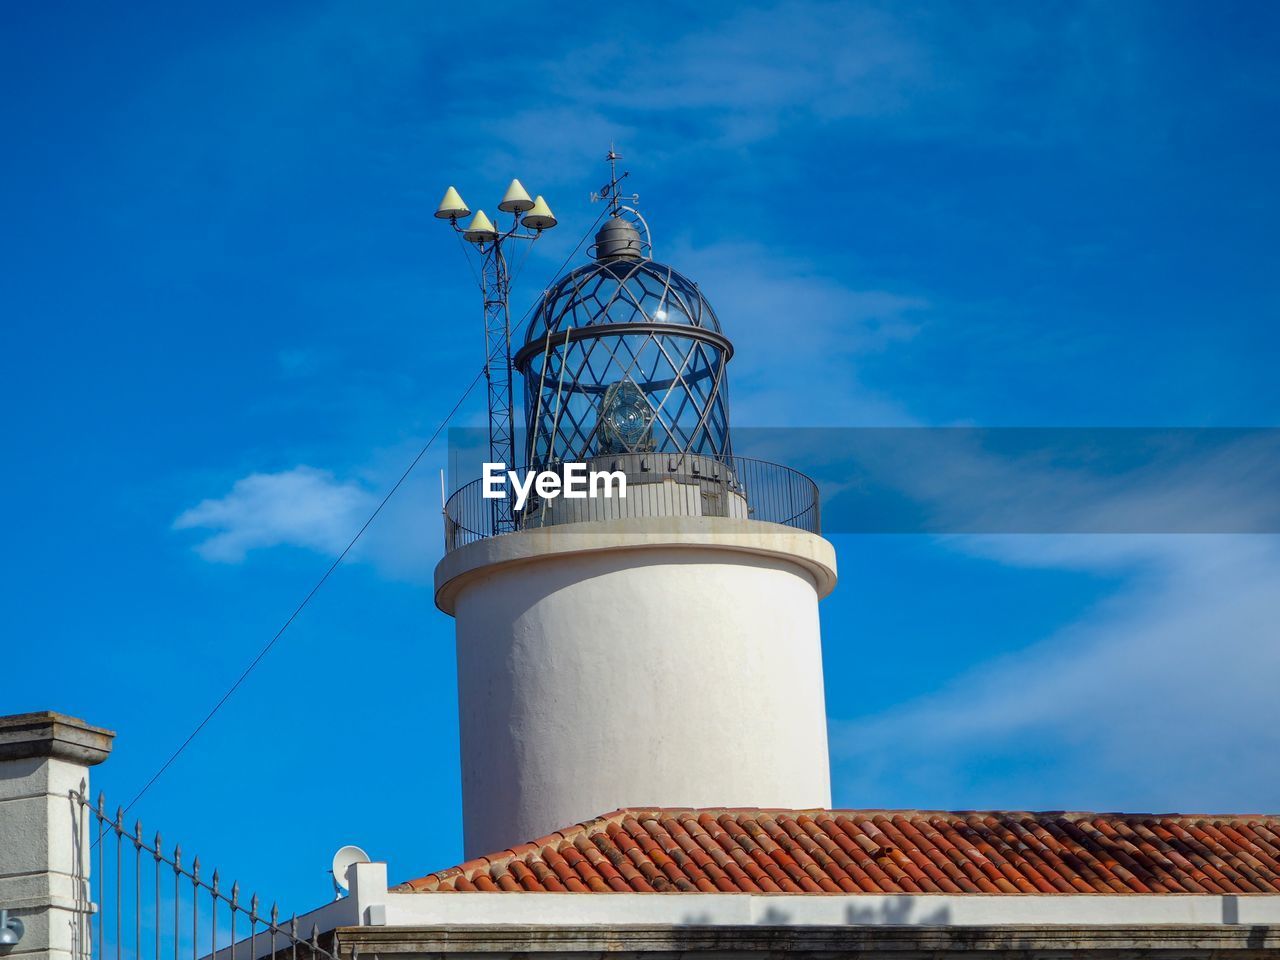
(883, 851)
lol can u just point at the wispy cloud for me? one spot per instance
(792, 68)
(301, 507)
(317, 510)
(1161, 696)
(1050, 480)
(800, 331)
(741, 79)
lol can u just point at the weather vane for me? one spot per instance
(610, 190)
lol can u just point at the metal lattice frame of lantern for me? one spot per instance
(624, 356)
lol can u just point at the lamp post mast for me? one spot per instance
(495, 281)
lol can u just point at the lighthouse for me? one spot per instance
(657, 649)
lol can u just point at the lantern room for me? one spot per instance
(624, 356)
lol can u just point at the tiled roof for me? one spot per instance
(884, 851)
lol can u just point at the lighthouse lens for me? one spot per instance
(627, 419)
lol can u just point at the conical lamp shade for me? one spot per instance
(516, 200)
(539, 216)
(479, 230)
(452, 207)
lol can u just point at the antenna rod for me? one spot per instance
(611, 189)
(613, 159)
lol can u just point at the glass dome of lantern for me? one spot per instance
(624, 356)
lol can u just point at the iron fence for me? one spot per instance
(773, 493)
(155, 906)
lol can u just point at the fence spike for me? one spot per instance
(253, 907)
(214, 888)
(159, 844)
(195, 869)
(315, 936)
(102, 805)
(119, 825)
(275, 913)
(293, 927)
(235, 894)
(137, 834)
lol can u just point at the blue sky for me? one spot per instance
(230, 322)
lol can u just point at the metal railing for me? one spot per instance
(773, 493)
(142, 913)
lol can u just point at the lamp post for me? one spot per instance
(534, 216)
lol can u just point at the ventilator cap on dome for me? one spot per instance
(618, 239)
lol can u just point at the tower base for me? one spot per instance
(670, 662)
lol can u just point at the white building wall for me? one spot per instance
(637, 669)
(457, 910)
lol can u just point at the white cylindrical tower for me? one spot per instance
(662, 650)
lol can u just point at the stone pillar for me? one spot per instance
(44, 832)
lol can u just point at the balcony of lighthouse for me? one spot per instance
(659, 486)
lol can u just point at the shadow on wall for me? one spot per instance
(883, 911)
(80, 859)
(899, 911)
(1231, 915)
